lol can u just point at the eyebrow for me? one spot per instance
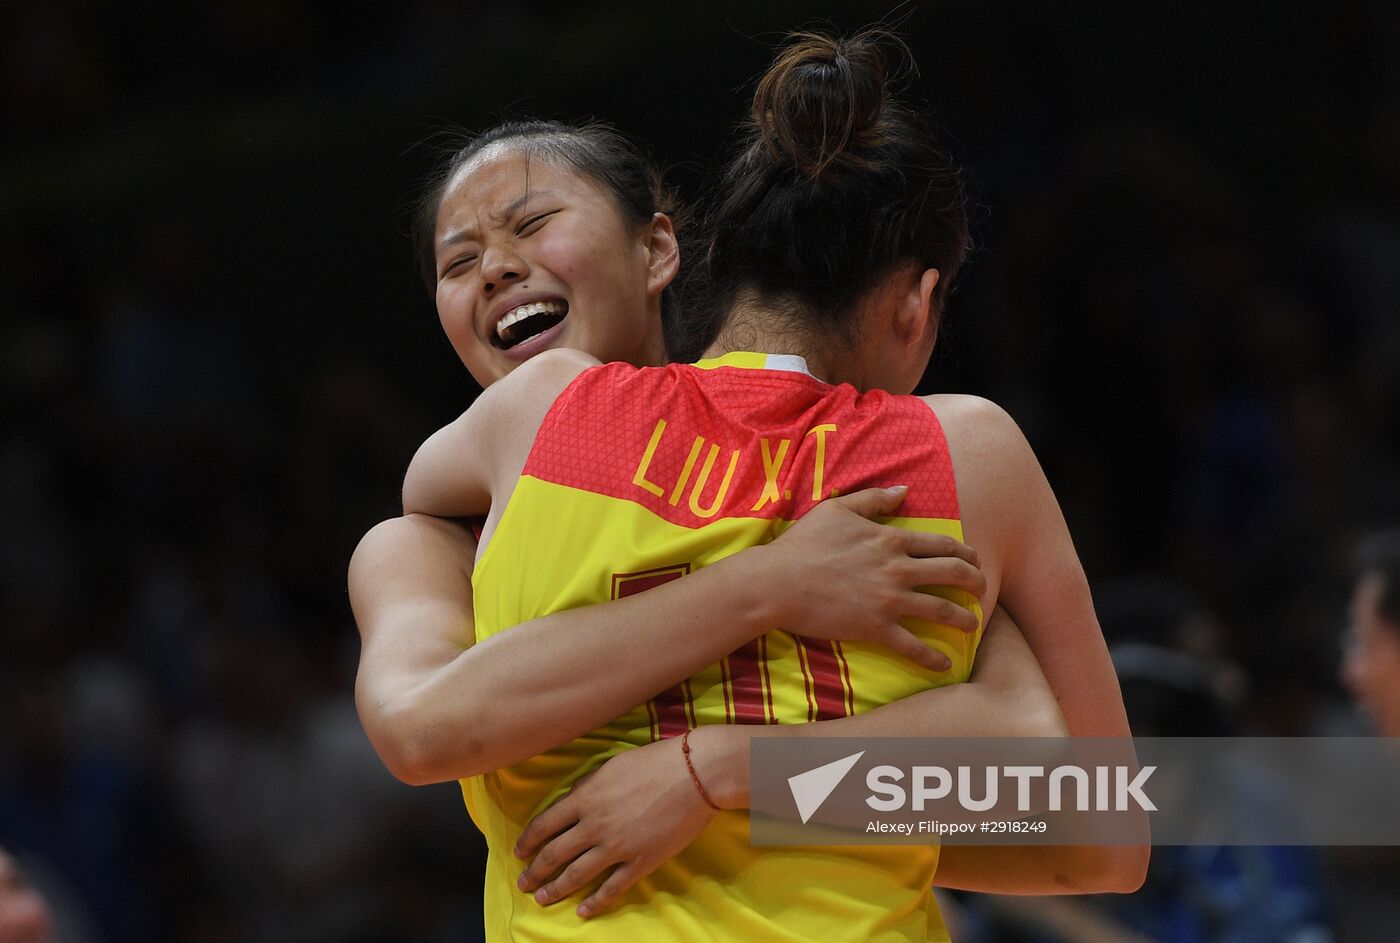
(505, 213)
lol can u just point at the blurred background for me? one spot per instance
(216, 361)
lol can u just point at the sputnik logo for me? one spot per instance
(810, 789)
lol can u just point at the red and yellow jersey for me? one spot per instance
(639, 476)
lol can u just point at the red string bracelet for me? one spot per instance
(685, 751)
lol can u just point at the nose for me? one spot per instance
(501, 266)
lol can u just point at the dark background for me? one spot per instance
(216, 360)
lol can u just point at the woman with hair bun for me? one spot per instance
(831, 247)
(534, 235)
(537, 234)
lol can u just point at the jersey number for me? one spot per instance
(747, 687)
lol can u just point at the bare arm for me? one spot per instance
(1040, 580)
(603, 820)
(444, 723)
(1036, 572)
(1043, 586)
(470, 465)
(430, 699)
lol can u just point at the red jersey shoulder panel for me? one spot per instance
(693, 445)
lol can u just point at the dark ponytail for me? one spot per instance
(835, 183)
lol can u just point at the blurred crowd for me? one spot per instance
(215, 364)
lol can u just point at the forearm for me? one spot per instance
(1089, 707)
(436, 706)
(1086, 690)
(963, 710)
(439, 706)
(1047, 869)
(544, 682)
(1007, 697)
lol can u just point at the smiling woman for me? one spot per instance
(834, 241)
(504, 260)
(535, 215)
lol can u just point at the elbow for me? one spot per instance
(414, 752)
(1116, 869)
(406, 754)
(1133, 871)
(412, 765)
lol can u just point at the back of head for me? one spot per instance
(835, 183)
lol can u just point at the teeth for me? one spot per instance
(528, 311)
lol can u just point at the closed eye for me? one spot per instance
(532, 224)
(457, 265)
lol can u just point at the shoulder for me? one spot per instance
(514, 407)
(536, 382)
(963, 408)
(999, 480)
(978, 428)
(562, 363)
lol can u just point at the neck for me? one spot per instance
(764, 328)
(653, 353)
(650, 349)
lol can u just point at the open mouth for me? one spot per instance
(527, 321)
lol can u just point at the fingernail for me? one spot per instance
(541, 896)
(523, 884)
(584, 910)
(897, 489)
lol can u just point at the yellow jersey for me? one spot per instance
(638, 476)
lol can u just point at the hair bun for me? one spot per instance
(821, 97)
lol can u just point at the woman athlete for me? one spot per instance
(424, 687)
(427, 694)
(832, 245)
(426, 691)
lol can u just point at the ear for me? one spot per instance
(663, 253)
(914, 317)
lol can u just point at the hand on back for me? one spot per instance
(843, 576)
